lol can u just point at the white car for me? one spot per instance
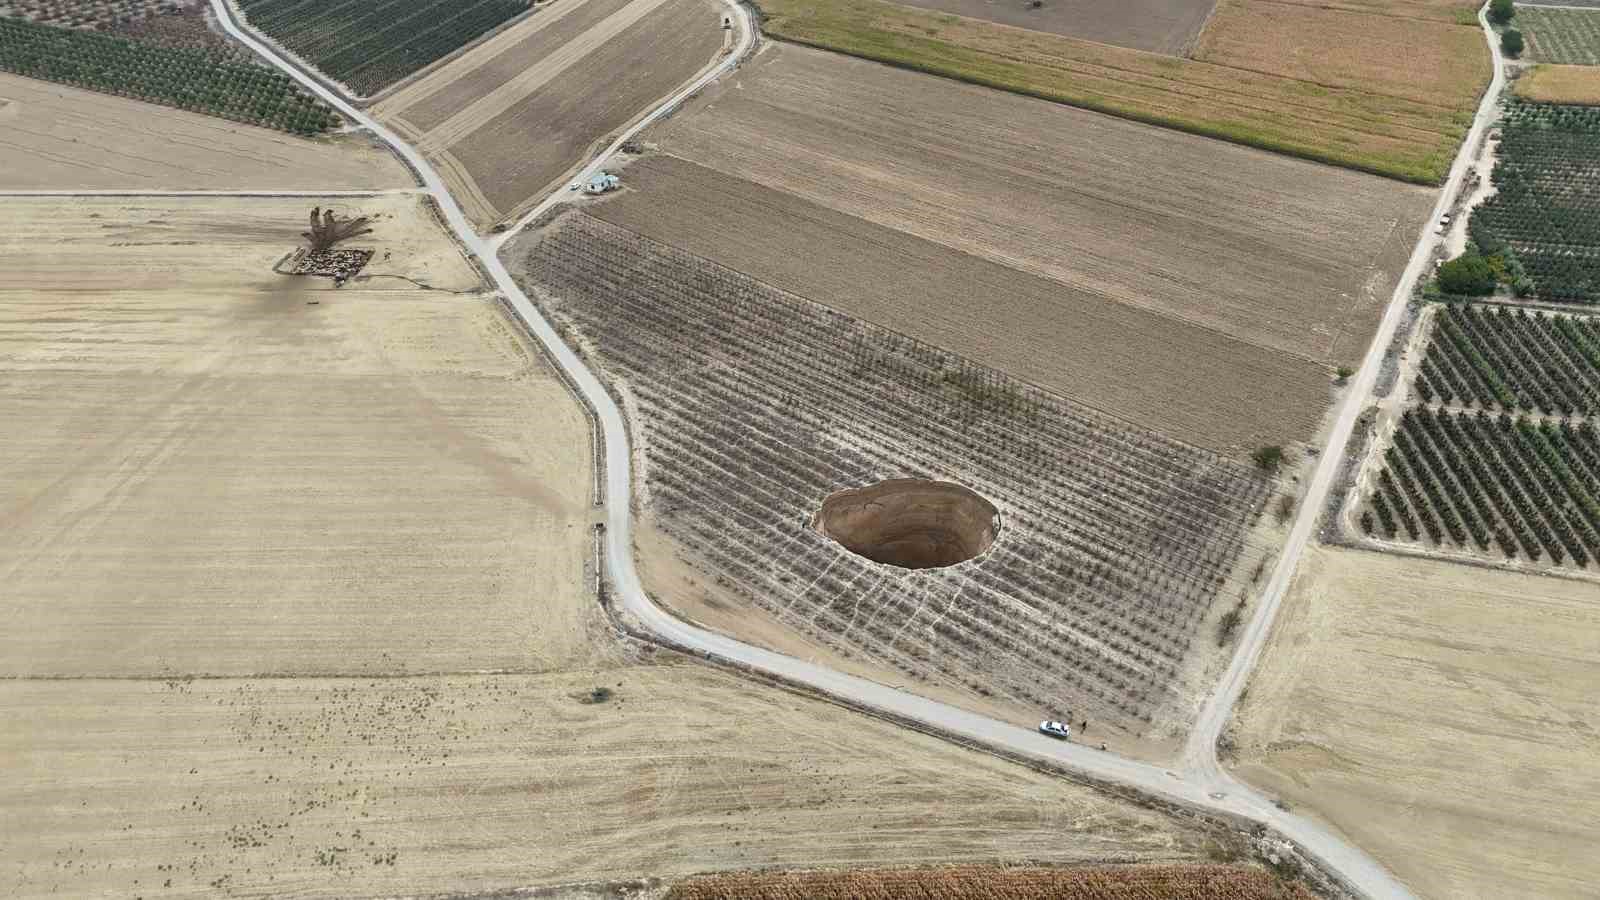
(1055, 729)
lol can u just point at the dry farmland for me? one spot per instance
(1099, 591)
(1560, 84)
(374, 495)
(430, 785)
(503, 132)
(1254, 99)
(1441, 715)
(990, 883)
(1268, 271)
(54, 137)
(1154, 25)
(1420, 60)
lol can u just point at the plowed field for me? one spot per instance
(507, 120)
(1160, 26)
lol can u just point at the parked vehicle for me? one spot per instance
(1055, 729)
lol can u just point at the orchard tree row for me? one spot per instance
(368, 46)
(1494, 483)
(1511, 359)
(1546, 206)
(197, 80)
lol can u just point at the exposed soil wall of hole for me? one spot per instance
(910, 522)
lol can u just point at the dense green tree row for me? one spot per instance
(201, 81)
(1547, 201)
(1498, 358)
(1475, 480)
(369, 44)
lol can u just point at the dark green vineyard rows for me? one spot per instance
(199, 80)
(370, 44)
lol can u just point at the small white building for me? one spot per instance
(601, 183)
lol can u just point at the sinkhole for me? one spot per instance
(913, 523)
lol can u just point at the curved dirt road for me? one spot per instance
(1200, 782)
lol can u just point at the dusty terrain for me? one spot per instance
(1441, 715)
(373, 494)
(54, 137)
(503, 131)
(1217, 391)
(1276, 252)
(1159, 26)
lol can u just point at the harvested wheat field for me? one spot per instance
(203, 468)
(1159, 26)
(993, 883)
(1560, 84)
(503, 130)
(1441, 715)
(54, 137)
(1438, 63)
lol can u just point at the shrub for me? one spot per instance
(1344, 373)
(1467, 275)
(1511, 42)
(1501, 11)
(1268, 459)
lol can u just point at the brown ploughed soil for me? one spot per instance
(1288, 255)
(54, 137)
(1441, 715)
(1172, 376)
(1160, 26)
(504, 131)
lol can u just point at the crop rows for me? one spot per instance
(1495, 483)
(197, 80)
(1503, 359)
(754, 405)
(1209, 882)
(1547, 200)
(1562, 36)
(370, 44)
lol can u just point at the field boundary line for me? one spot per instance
(136, 192)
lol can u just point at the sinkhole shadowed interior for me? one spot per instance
(912, 523)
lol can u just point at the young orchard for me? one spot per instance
(753, 406)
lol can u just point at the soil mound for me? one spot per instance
(912, 523)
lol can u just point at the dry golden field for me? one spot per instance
(1361, 126)
(1421, 60)
(1441, 715)
(54, 137)
(504, 131)
(373, 495)
(1560, 84)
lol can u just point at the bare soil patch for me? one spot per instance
(1441, 715)
(1276, 252)
(1217, 391)
(1158, 26)
(62, 138)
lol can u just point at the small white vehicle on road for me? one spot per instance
(1055, 729)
